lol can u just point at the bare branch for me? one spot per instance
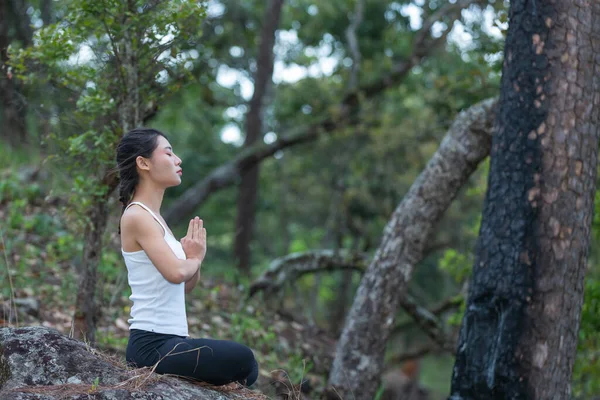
(286, 269)
(427, 321)
(450, 303)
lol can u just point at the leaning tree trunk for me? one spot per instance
(519, 333)
(246, 205)
(360, 350)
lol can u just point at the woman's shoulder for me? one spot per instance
(135, 218)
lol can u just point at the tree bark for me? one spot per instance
(360, 351)
(519, 334)
(86, 309)
(228, 174)
(246, 205)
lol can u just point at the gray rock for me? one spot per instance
(35, 358)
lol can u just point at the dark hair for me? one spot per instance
(136, 142)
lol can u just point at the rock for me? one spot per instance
(41, 363)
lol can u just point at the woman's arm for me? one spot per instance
(194, 245)
(191, 283)
(150, 236)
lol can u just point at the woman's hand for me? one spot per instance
(194, 243)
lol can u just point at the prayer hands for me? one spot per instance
(194, 243)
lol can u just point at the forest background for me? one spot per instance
(284, 158)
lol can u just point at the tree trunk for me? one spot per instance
(86, 310)
(130, 116)
(246, 206)
(283, 207)
(13, 107)
(519, 334)
(360, 351)
(46, 12)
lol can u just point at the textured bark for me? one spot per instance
(228, 174)
(86, 308)
(246, 205)
(360, 351)
(519, 334)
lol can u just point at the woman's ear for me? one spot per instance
(142, 163)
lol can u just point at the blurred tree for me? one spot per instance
(14, 29)
(248, 188)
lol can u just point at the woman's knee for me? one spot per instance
(248, 365)
(245, 358)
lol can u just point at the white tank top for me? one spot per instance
(158, 305)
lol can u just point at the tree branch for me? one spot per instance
(291, 267)
(229, 174)
(428, 322)
(287, 269)
(447, 305)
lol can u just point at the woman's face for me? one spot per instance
(164, 167)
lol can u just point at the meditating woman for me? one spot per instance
(161, 270)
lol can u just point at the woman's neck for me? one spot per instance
(150, 196)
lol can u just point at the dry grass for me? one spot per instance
(12, 308)
(284, 387)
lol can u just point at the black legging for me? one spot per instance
(217, 362)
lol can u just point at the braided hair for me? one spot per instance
(135, 143)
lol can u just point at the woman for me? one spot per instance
(161, 270)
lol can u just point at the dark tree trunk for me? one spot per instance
(46, 11)
(519, 334)
(283, 208)
(246, 207)
(360, 350)
(13, 106)
(22, 22)
(86, 310)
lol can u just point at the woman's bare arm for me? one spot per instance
(150, 236)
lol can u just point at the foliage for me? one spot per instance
(92, 53)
